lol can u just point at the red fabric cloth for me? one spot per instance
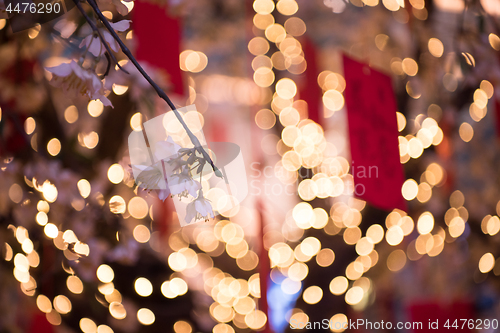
(371, 113)
(158, 40)
(497, 115)
(309, 89)
(39, 324)
(428, 312)
(264, 268)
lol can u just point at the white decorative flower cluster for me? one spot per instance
(173, 175)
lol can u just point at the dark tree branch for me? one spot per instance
(158, 90)
(108, 66)
(96, 30)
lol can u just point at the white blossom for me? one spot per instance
(168, 149)
(120, 7)
(72, 76)
(94, 45)
(200, 208)
(182, 183)
(151, 177)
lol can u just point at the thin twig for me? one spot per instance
(96, 30)
(158, 90)
(108, 66)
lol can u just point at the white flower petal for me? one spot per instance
(166, 149)
(163, 194)
(193, 187)
(96, 47)
(85, 42)
(190, 212)
(121, 25)
(110, 40)
(201, 208)
(62, 70)
(105, 101)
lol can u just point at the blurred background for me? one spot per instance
(85, 250)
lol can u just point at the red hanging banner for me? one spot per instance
(309, 89)
(373, 132)
(158, 40)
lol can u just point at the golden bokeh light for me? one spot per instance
(354, 270)
(51, 230)
(312, 295)
(256, 319)
(74, 284)
(143, 287)
(141, 233)
(298, 271)
(295, 26)
(262, 21)
(119, 89)
(116, 173)
(338, 323)
(258, 46)
(16, 193)
(466, 132)
(325, 257)
(84, 187)
(287, 7)
(275, 33)
(95, 108)
(425, 223)
(354, 295)
(394, 235)
(62, 304)
(263, 77)
(117, 310)
(91, 140)
(136, 121)
(104, 329)
(88, 325)
(29, 125)
(410, 189)
(42, 218)
(333, 100)
(486, 263)
(364, 246)
(436, 47)
(410, 66)
(43, 303)
(265, 119)
(401, 121)
(456, 227)
(375, 233)
(494, 41)
(145, 316)
(352, 235)
(396, 260)
(54, 147)
(71, 114)
(263, 6)
(182, 326)
(105, 273)
(138, 207)
(339, 285)
(117, 205)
